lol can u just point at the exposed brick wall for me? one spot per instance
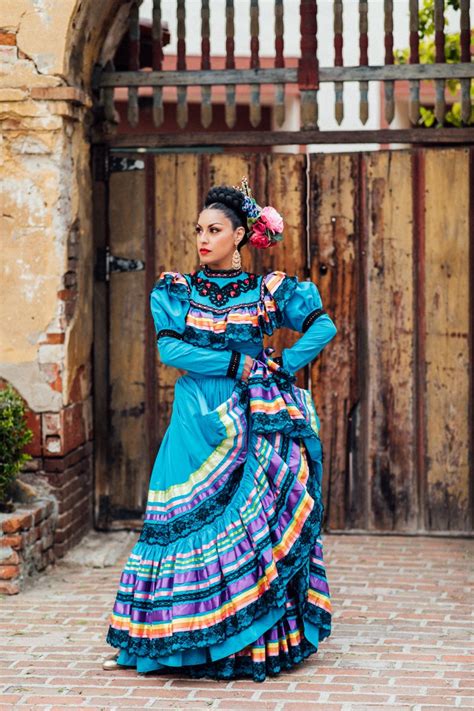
(70, 481)
(61, 467)
(26, 544)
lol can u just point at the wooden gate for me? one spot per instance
(384, 235)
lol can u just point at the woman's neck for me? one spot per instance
(215, 270)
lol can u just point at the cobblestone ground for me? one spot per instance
(401, 638)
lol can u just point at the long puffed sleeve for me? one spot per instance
(169, 303)
(304, 312)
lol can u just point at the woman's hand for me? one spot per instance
(248, 365)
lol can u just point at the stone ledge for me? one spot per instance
(62, 93)
(26, 544)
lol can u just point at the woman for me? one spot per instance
(227, 578)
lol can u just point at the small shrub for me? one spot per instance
(14, 435)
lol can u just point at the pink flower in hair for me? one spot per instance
(272, 219)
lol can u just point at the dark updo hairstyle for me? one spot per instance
(229, 201)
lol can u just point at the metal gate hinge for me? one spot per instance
(107, 263)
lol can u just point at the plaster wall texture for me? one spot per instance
(47, 51)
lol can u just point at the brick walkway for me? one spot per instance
(402, 630)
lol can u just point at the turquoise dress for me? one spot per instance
(227, 577)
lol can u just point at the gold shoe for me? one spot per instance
(111, 663)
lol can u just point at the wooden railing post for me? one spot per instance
(414, 102)
(181, 92)
(134, 63)
(255, 109)
(363, 59)
(308, 69)
(465, 57)
(279, 109)
(338, 61)
(157, 54)
(389, 86)
(206, 91)
(230, 110)
(440, 101)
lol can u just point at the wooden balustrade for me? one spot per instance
(307, 76)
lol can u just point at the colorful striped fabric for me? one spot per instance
(227, 577)
(218, 550)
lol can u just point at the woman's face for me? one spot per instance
(216, 239)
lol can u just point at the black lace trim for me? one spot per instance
(311, 318)
(234, 364)
(169, 332)
(215, 589)
(206, 513)
(232, 272)
(220, 295)
(274, 596)
(235, 666)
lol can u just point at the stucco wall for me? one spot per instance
(47, 53)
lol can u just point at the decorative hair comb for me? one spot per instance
(265, 224)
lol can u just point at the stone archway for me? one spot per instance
(47, 310)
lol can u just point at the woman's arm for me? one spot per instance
(180, 354)
(169, 304)
(304, 312)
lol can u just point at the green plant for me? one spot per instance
(452, 53)
(14, 435)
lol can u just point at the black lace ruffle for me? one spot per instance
(207, 512)
(274, 596)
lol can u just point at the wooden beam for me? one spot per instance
(286, 75)
(280, 138)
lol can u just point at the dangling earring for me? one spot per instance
(236, 260)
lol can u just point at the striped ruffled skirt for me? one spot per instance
(227, 577)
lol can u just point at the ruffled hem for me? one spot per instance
(274, 597)
(276, 642)
(208, 586)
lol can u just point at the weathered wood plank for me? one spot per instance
(392, 481)
(419, 252)
(334, 373)
(358, 439)
(102, 481)
(447, 327)
(128, 431)
(278, 138)
(287, 75)
(281, 183)
(176, 207)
